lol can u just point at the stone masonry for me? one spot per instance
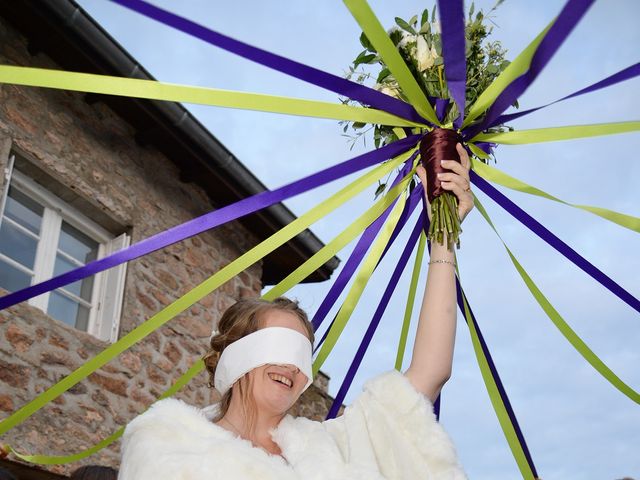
(91, 151)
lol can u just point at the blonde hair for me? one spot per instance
(241, 319)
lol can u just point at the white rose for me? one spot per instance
(407, 39)
(392, 92)
(423, 55)
(391, 30)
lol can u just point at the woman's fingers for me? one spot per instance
(465, 197)
(455, 178)
(464, 156)
(455, 167)
(454, 187)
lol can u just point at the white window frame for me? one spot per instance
(108, 287)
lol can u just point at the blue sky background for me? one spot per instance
(576, 424)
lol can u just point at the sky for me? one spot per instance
(576, 424)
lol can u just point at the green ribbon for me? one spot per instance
(516, 68)
(497, 176)
(388, 52)
(366, 270)
(496, 400)
(154, 90)
(554, 134)
(560, 323)
(411, 297)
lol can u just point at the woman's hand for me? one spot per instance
(457, 181)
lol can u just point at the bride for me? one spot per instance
(260, 362)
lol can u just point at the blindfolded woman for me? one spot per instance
(260, 362)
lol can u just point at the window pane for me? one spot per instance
(13, 279)
(17, 245)
(81, 288)
(76, 244)
(66, 310)
(23, 210)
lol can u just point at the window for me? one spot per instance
(42, 236)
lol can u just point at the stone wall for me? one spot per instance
(91, 151)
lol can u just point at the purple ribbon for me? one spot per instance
(213, 219)
(440, 105)
(377, 316)
(486, 147)
(549, 237)
(336, 291)
(496, 377)
(365, 241)
(621, 76)
(341, 86)
(570, 15)
(364, 344)
(454, 52)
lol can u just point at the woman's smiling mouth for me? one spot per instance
(281, 379)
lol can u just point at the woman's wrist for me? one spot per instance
(440, 254)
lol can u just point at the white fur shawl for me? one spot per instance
(389, 432)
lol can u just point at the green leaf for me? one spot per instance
(404, 25)
(360, 55)
(380, 190)
(413, 21)
(364, 41)
(384, 73)
(471, 10)
(425, 17)
(433, 13)
(364, 57)
(426, 28)
(438, 61)
(358, 125)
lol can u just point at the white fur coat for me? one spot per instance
(390, 432)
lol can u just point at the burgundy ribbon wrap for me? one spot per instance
(439, 144)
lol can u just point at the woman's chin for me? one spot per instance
(279, 402)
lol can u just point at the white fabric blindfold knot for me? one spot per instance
(271, 345)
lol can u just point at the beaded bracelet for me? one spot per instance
(442, 261)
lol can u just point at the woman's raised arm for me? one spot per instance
(432, 357)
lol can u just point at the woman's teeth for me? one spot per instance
(280, 378)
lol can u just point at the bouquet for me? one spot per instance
(420, 45)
